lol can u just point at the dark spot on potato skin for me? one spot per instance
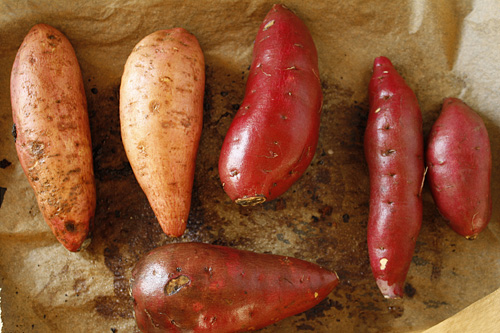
(70, 226)
(77, 170)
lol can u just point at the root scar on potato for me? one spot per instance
(175, 285)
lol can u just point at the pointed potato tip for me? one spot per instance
(278, 6)
(334, 272)
(331, 277)
(393, 291)
(174, 229)
(77, 244)
(382, 61)
(42, 26)
(450, 100)
(335, 279)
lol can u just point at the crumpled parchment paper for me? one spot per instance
(442, 48)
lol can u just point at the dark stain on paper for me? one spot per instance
(4, 163)
(2, 194)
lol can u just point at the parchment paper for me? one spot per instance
(442, 48)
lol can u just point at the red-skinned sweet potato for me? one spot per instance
(459, 168)
(52, 133)
(394, 152)
(196, 287)
(273, 137)
(161, 116)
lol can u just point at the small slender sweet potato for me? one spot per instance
(161, 115)
(196, 287)
(52, 133)
(459, 162)
(273, 137)
(394, 152)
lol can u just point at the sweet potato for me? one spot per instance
(459, 163)
(273, 137)
(196, 287)
(394, 152)
(161, 115)
(52, 133)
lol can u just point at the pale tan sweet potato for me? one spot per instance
(52, 134)
(161, 115)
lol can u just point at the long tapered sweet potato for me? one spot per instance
(52, 133)
(459, 161)
(161, 115)
(394, 152)
(196, 287)
(273, 137)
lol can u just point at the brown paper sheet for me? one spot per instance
(481, 316)
(442, 48)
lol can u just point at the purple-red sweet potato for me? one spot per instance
(52, 132)
(394, 152)
(459, 160)
(273, 137)
(161, 115)
(196, 287)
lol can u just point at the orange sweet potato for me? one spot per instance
(52, 133)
